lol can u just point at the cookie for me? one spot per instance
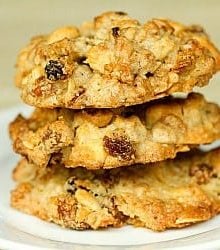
(171, 194)
(114, 61)
(100, 138)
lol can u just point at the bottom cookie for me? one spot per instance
(170, 194)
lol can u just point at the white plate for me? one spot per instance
(14, 225)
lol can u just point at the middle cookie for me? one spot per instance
(112, 138)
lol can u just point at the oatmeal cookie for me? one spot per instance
(114, 61)
(100, 138)
(170, 194)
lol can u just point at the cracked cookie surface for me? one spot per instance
(170, 194)
(100, 138)
(114, 61)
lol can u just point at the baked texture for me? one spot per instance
(114, 61)
(170, 194)
(118, 137)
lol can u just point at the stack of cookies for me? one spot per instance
(98, 151)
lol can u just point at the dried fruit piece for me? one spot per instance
(54, 70)
(115, 31)
(81, 60)
(119, 146)
(70, 185)
(121, 13)
(37, 91)
(149, 74)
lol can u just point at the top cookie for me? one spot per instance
(114, 61)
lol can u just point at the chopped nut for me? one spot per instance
(87, 199)
(202, 172)
(169, 129)
(100, 118)
(37, 91)
(185, 57)
(70, 185)
(69, 32)
(80, 92)
(173, 77)
(65, 208)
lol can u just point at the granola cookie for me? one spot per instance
(170, 194)
(114, 61)
(100, 138)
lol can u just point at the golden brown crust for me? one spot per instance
(113, 138)
(114, 61)
(163, 195)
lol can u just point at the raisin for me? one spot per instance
(196, 29)
(84, 188)
(54, 70)
(70, 185)
(71, 180)
(121, 13)
(115, 31)
(81, 59)
(119, 147)
(149, 74)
